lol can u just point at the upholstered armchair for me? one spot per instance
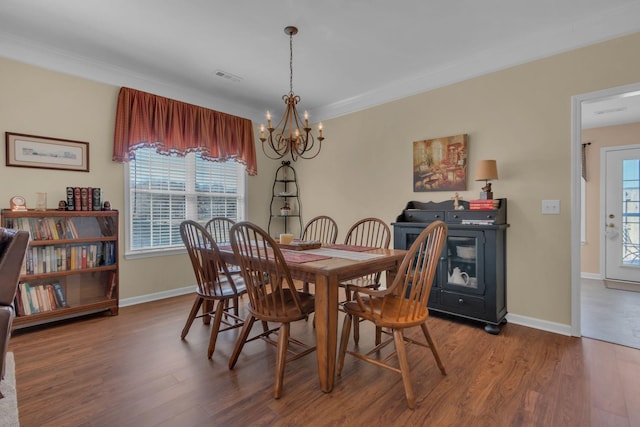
(13, 247)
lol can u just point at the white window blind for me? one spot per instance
(166, 190)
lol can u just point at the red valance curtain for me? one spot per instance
(146, 120)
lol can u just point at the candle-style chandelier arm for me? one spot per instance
(289, 136)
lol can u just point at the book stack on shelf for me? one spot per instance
(51, 259)
(32, 299)
(484, 205)
(45, 228)
(84, 199)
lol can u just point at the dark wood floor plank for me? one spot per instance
(133, 369)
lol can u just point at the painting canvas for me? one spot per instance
(440, 164)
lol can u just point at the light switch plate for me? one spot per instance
(551, 207)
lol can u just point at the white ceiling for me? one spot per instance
(348, 55)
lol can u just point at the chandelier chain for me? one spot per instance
(291, 63)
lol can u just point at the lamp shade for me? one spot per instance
(486, 170)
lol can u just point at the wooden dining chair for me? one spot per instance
(400, 306)
(272, 296)
(219, 227)
(215, 286)
(369, 232)
(322, 229)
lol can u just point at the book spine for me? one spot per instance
(112, 285)
(52, 298)
(76, 198)
(89, 198)
(70, 199)
(59, 294)
(33, 300)
(97, 199)
(24, 296)
(83, 199)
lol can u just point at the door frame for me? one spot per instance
(576, 174)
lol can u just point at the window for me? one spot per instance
(166, 190)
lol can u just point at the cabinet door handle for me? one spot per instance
(456, 216)
(460, 301)
(436, 216)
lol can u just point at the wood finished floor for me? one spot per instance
(133, 370)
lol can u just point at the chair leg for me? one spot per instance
(217, 319)
(378, 335)
(432, 345)
(192, 316)
(242, 339)
(305, 287)
(207, 307)
(344, 341)
(281, 358)
(356, 331)
(404, 367)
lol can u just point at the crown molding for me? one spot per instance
(595, 29)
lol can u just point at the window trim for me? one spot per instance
(151, 253)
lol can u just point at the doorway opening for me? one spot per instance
(582, 286)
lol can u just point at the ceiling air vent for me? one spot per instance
(228, 76)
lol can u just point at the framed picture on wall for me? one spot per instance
(440, 164)
(31, 151)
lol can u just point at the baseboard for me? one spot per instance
(622, 285)
(544, 325)
(516, 319)
(157, 296)
(594, 276)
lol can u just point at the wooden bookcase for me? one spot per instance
(72, 259)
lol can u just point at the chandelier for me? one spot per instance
(290, 136)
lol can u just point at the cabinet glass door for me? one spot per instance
(465, 261)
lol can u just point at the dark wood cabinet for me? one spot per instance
(470, 280)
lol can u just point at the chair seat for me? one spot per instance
(225, 289)
(291, 313)
(396, 312)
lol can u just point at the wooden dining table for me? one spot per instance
(326, 272)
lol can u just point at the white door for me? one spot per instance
(622, 213)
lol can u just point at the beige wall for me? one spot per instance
(40, 102)
(519, 116)
(608, 136)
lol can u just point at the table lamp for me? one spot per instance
(485, 171)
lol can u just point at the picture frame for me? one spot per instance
(440, 164)
(32, 151)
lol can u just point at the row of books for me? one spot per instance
(84, 199)
(488, 204)
(48, 228)
(51, 259)
(32, 299)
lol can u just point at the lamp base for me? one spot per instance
(486, 195)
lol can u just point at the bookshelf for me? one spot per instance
(71, 266)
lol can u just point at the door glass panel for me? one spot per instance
(631, 212)
(462, 268)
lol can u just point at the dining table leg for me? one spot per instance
(326, 322)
